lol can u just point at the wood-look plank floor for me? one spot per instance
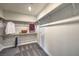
(25, 50)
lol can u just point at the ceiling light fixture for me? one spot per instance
(29, 8)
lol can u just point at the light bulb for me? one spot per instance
(29, 8)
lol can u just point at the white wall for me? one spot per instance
(1, 13)
(62, 39)
(18, 17)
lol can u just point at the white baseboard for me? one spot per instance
(29, 43)
(20, 44)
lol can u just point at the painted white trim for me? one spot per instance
(76, 18)
(20, 44)
(28, 43)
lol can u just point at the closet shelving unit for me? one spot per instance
(4, 36)
(20, 34)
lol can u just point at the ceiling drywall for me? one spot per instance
(18, 17)
(22, 8)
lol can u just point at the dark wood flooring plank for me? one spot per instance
(26, 50)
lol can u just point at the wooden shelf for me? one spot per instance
(21, 34)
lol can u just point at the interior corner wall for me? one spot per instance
(62, 39)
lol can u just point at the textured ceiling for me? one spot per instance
(23, 8)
